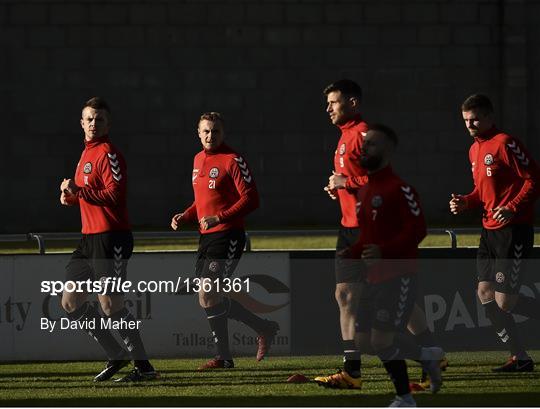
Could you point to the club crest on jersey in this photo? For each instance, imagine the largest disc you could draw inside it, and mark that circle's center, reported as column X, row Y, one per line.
column 213, row 266
column 499, row 277
column 87, row 167
column 214, row 173
column 376, row 201
column 382, row 316
column 488, row 159
column 342, row 149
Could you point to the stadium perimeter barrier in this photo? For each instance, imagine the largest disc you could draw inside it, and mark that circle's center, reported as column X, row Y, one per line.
column 43, row 239
column 295, row 288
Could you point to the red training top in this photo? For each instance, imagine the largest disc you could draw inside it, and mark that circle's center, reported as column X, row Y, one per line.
column 347, row 162
column 390, row 216
column 102, row 176
column 223, row 186
column 504, row 174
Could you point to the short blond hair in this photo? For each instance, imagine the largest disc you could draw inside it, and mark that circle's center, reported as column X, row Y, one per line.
column 213, row 117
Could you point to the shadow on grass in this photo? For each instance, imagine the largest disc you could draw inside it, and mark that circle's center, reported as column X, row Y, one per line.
column 442, row 400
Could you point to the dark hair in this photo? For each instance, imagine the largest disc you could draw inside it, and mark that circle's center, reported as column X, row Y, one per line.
column 97, row 103
column 213, row 117
column 346, row 87
column 386, row 130
column 477, row 102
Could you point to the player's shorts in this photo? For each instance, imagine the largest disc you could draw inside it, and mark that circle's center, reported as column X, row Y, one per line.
column 501, row 254
column 347, row 270
column 101, row 255
column 390, row 304
column 219, row 253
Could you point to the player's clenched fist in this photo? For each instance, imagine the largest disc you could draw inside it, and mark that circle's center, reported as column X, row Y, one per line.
column 457, row 204
column 175, row 221
column 67, row 199
column 336, row 181
column 331, row 192
column 207, row 222
column 68, row 185
column 502, row 214
column 371, row 254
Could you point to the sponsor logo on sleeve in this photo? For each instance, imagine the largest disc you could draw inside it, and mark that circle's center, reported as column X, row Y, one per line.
column 243, row 168
column 115, row 167
column 520, row 156
column 413, row 204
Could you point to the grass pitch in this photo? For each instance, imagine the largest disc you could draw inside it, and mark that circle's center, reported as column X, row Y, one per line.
column 304, row 242
column 468, row 382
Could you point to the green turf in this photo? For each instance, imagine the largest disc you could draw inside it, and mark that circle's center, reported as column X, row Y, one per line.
column 257, row 243
column 314, row 242
column 468, row 382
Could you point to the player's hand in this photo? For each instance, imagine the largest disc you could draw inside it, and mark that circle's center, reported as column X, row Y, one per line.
column 176, row 221
column 69, row 186
column 336, row 181
column 331, row 192
column 72, row 187
column 207, row 222
column 344, row 253
column 67, row 199
column 64, row 185
column 502, row 214
column 371, row 254
column 63, row 199
column 457, row 204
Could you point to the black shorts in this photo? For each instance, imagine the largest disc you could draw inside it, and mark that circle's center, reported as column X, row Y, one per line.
column 347, row 270
column 390, row 305
column 501, row 254
column 219, row 253
column 101, row 255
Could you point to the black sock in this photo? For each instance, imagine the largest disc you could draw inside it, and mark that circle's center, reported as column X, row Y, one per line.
column 505, row 327
column 239, row 313
column 103, row 336
column 132, row 340
column 425, row 339
column 351, row 359
column 396, row 368
column 407, row 347
column 217, row 318
column 527, row 306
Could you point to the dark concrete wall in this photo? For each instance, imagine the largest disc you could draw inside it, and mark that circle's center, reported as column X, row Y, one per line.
column 263, row 64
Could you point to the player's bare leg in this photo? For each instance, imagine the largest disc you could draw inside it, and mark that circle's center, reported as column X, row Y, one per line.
column 71, row 301
column 347, row 296
column 518, row 304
